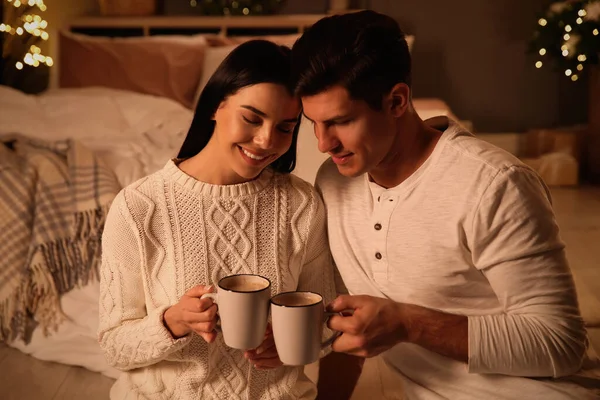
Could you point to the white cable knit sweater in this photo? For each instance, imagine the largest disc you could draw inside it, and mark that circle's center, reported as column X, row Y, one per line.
column 169, row 232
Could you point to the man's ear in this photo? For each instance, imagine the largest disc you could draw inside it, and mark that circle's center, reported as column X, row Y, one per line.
column 399, row 99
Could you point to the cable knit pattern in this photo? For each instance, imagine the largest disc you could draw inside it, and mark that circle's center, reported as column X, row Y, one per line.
column 169, row 232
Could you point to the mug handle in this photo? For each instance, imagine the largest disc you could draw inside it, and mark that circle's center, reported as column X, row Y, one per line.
column 214, row 298
column 335, row 335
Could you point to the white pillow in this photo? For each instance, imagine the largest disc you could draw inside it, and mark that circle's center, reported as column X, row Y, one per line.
column 308, row 156
column 213, row 57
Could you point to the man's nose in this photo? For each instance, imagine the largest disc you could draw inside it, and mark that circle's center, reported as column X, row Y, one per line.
column 326, row 139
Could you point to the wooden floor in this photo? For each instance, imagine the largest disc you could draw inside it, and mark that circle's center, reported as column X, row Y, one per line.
column 578, row 212
column 23, row 378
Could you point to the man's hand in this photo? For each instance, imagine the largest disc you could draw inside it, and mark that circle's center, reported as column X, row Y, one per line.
column 265, row 356
column 379, row 324
column 192, row 314
column 375, row 326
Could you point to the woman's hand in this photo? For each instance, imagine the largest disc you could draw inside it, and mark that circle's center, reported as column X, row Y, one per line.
column 192, row 314
column 265, row 356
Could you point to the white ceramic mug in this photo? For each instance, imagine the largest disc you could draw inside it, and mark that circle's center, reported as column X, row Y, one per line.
column 298, row 320
column 243, row 302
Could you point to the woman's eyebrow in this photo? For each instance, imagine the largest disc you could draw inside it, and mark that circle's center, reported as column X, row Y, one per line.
column 263, row 114
column 254, row 110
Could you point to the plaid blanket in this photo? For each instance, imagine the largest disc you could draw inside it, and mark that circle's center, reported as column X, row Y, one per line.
column 54, row 197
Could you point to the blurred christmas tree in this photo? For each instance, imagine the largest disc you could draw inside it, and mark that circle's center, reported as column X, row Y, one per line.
column 237, row 7
column 23, row 29
column 567, row 36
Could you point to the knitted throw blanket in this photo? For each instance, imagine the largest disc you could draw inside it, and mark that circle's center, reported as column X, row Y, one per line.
column 54, row 197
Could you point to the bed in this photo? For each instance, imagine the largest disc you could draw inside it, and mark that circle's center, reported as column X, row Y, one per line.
column 134, row 122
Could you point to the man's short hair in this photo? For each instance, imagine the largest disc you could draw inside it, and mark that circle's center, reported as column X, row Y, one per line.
column 365, row 52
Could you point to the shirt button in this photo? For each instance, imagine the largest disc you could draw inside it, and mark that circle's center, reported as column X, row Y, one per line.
column 377, row 227
column 378, row 255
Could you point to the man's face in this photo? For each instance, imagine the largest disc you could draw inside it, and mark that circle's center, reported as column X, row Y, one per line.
column 357, row 137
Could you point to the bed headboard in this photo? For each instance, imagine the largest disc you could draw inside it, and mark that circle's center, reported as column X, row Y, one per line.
column 270, row 26
column 169, row 25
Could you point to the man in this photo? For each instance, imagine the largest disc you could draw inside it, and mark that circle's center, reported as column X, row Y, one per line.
column 447, row 244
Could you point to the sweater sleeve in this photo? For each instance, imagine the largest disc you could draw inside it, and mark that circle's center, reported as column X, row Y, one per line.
column 130, row 336
column 515, row 243
column 318, row 270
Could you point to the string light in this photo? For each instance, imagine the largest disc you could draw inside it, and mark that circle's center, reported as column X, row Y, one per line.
column 575, row 40
column 34, row 25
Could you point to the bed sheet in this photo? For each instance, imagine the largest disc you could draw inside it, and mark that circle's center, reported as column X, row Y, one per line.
column 76, row 341
column 136, row 134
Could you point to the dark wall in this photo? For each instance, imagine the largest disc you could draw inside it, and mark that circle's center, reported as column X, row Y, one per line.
column 472, row 54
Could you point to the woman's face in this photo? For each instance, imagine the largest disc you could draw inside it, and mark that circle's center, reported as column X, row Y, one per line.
column 254, row 127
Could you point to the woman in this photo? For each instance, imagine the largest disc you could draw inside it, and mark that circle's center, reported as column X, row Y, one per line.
column 227, row 205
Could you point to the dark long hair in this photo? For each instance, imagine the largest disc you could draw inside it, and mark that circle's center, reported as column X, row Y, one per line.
column 250, row 63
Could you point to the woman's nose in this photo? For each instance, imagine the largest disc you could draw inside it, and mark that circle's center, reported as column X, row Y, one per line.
column 265, row 138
